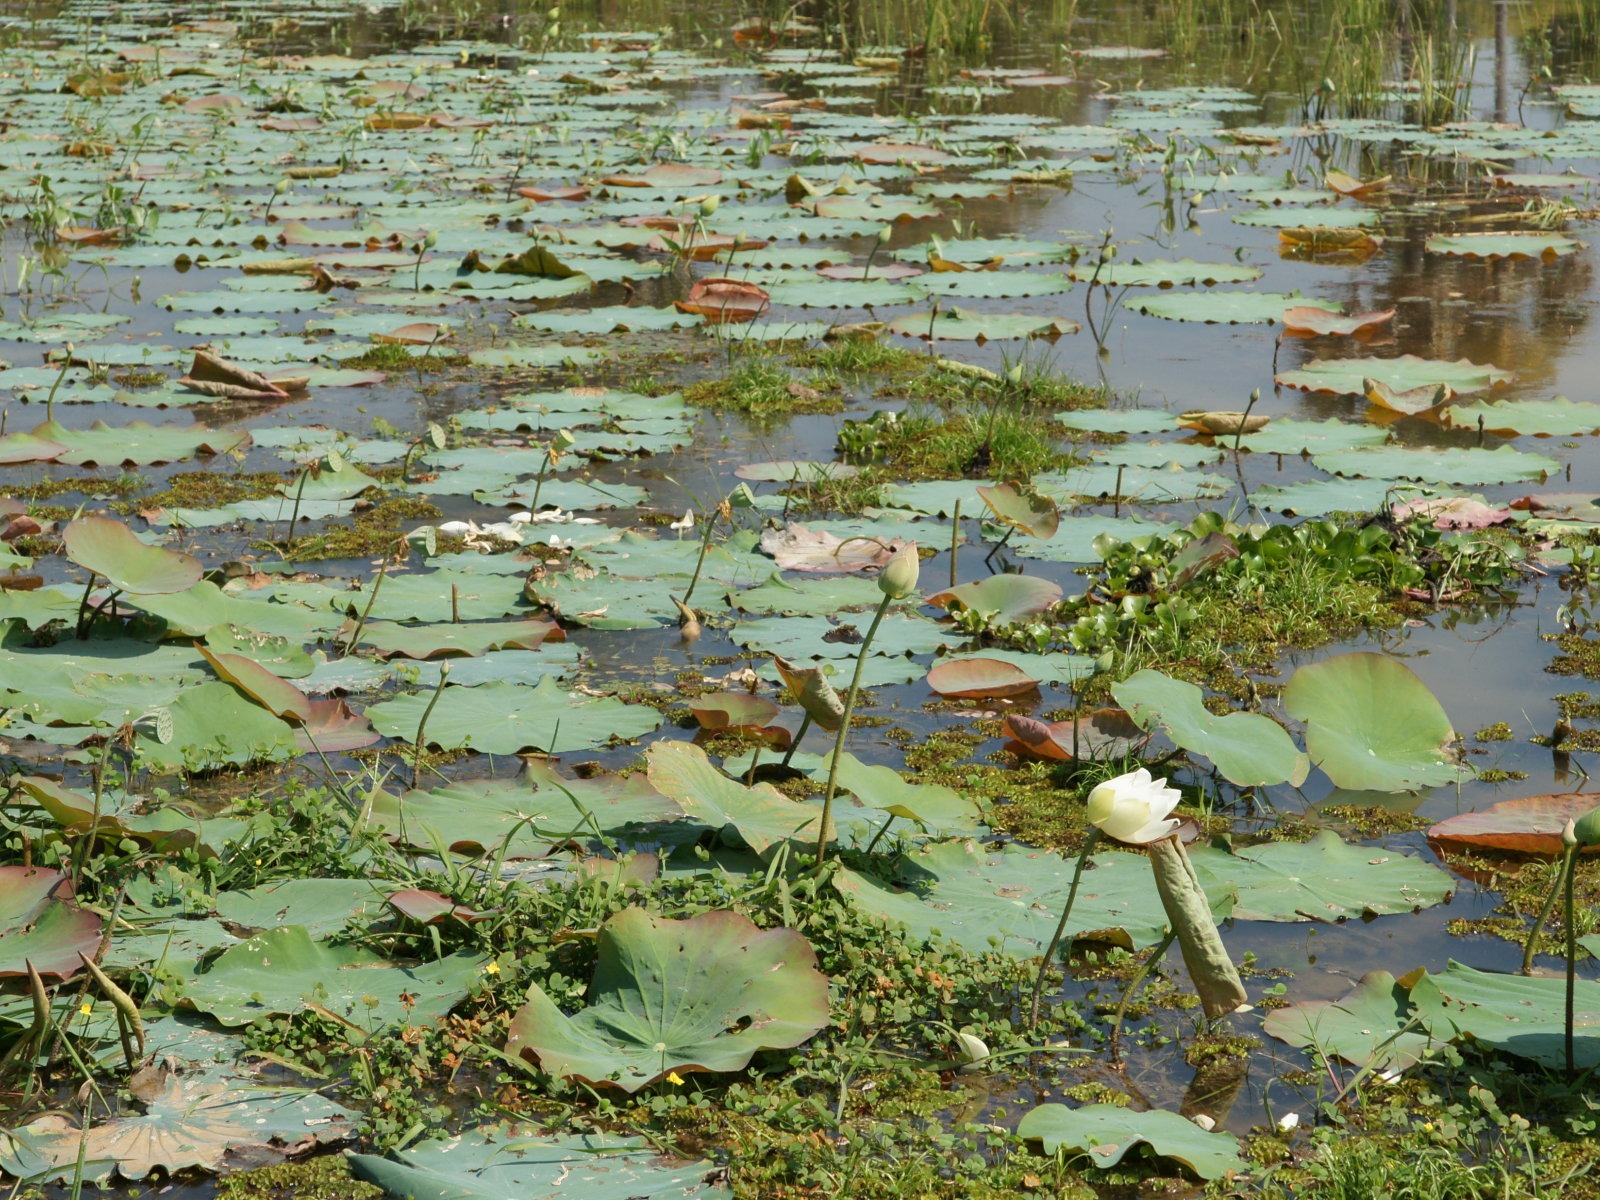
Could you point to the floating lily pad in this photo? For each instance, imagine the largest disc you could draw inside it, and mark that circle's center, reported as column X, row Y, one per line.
column 1163, row 273
column 1225, row 308
column 1470, row 464
column 1365, row 1027
column 1547, row 247
column 506, row 718
column 1345, row 376
column 1557, row 417
column 959, row 325
column 1104, row 1133
column 493, row 1162
column 702, row 994
column 1527, row 825
column 285, row 971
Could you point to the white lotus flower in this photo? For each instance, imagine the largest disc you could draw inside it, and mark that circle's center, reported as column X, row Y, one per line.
column 1288, row 1122
column 1133, row 808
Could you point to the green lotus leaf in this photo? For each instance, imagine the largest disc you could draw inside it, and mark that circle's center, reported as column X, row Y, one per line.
column 930, row 805
column 1104, row 1133
column 762, row 816
column 493, row 1162
column 322, row 906
column 1023, row 508
column 1524, row 1016
column 506, row 718
column 1556, row 417
column 191, row 1122
column 955, row 324
column 110, row 549
column 702, row 994
column 1516, row 244
column 1247, row 748
column 1366, row 1027
column 1345, row 376
column 1162, row 273
column 1225, row 308
column 1457, row 464
column 285, row 971
column 1002, row 598
column 1371, row 723
column 1286, row 436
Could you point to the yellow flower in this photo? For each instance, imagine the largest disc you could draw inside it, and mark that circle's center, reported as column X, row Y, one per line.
column 491, row 968
column 86, row 1008
column 674, row 1079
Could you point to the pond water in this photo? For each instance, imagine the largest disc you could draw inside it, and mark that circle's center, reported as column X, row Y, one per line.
column 167, row 171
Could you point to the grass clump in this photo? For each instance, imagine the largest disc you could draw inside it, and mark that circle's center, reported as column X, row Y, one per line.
column 763, row 388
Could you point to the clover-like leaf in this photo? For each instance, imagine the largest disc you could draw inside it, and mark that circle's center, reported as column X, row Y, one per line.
column 702, row 994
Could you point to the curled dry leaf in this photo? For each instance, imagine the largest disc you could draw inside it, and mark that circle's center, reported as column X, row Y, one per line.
column 797, row 548
column 1223, row 421
column 1426, row 400
column 212, row 375
column 724, row 300
column 1104, row 733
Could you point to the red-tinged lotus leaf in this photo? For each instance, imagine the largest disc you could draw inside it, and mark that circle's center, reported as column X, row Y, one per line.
column 277, row 696
column 1320, row 243
column 733, row 710
column 39, row 924
column 27, row 447
column 396, row 121
column 668, row 175
column 703, row 247
column 333, row 727
column 85, row 235
column 109, row 549
column 1455, row 512
column 420, row 333
column 1104, row 733
column 668, row 223
column 723, row 300
column 1529, row 825
column 797, row 548
column 1006, row 598
column 702, row 994
column 1310, row 321
column 980, row 678
column 291, row 124
column 547, row 192
column 1563, row 506
column 470, row 638
column 430, row 908
column 1021, row 507
column 1349, row 185
column 890, row 153
column 851, row 273
column 213, row 104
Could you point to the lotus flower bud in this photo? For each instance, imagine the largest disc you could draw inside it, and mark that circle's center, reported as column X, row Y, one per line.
column 563, row 441
column 900, row 574
column 1569, row 834
column 429, row 242
column 281, row 186
column 885, row 234
column 1587, row 828
column 708, row 204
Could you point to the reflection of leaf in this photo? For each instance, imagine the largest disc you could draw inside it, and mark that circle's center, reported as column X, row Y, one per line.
column 700, row 994
column 1104, row 1133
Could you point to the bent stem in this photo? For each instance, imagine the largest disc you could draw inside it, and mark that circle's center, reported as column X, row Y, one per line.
column 1531, row 946
column 1155, row 956
column 844, row 729
column 1089, row 844
column 794, row 744
column 422, row 725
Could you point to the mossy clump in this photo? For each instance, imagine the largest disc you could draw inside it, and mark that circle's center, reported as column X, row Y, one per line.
column 326, row 1177
column 205, row 489
column 374, row 531
column 1498, row 732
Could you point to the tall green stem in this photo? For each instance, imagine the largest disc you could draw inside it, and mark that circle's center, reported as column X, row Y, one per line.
column 1061, row 927
column 1572, row 950
column 844, row 729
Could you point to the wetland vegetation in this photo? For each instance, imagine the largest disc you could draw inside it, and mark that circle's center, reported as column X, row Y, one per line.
column 630, row 597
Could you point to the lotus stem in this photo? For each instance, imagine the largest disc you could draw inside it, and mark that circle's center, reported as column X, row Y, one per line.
column 844, row 729
column 955, row 540
column 26, row 1048
column 710, row 522
column 1238, row 434
column 50, row 401
column 882, row 829
column 794, row 743
column 538, row 486
column 422, row 725
column 1572, row 951
column 1531, row 946
column 377, row 582
column 1089, row 844
column 1134, row 984
column 294, row 512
